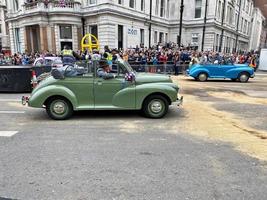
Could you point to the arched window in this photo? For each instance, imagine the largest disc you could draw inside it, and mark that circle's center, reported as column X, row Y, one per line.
column 131, row 3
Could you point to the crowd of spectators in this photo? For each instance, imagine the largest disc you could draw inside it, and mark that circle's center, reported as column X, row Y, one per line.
column 158, row 55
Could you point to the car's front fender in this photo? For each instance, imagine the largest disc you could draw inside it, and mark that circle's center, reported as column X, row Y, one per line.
column 144, row 90
column 39, row 97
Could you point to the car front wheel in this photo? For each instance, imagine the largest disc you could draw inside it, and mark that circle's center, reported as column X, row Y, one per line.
column 59, row 108
column 243, row 77
column 202, row 77
column 155, row 106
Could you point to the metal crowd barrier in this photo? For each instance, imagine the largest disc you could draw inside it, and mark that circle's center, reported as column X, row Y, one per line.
column 161, row 68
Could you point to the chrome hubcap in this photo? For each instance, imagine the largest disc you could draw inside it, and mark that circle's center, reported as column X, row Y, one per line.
column 243, row 77
column 59, row 108
column 156, row 107
column 202, row 77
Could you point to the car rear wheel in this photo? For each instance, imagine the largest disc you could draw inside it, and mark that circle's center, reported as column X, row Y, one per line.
column 243, row 77
column 155, row 106
column 59, row 108
column 202, row 77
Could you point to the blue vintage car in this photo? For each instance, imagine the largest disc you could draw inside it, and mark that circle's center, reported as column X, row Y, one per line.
column 235, row 72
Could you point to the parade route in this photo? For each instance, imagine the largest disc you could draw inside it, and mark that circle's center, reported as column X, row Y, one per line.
column 214, row 145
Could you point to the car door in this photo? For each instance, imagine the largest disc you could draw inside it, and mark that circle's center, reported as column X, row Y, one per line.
column 82, row 87
column 115, row 93
column 225, row 68
column 213, row 70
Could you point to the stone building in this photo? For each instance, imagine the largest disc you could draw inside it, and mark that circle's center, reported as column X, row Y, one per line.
column 49, row 25
column 4, row 39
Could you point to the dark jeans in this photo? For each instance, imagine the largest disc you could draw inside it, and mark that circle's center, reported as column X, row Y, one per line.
column 68, row 60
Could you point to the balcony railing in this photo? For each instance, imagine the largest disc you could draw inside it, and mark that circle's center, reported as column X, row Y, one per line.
column 46, row 6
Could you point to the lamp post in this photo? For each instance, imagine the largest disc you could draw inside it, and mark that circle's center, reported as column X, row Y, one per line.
column 222, row 23
column 204, row 26
column 150, row 23
column 237, row 26
column 181, row 23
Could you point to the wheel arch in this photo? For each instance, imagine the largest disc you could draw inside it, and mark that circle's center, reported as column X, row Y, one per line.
column 160, row 94
column 59, row 97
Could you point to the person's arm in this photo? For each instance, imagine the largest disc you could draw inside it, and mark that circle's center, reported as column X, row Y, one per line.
column 102, row 74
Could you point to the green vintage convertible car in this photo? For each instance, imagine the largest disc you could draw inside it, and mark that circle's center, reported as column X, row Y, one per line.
column 150, row 93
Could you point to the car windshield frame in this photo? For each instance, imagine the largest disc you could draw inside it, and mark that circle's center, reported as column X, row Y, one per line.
column 126, row 65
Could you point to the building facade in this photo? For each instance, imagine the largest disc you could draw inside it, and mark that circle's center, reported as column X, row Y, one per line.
column 49, row 25
column 4, row 39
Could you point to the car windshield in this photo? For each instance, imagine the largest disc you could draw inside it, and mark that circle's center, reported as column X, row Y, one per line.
column 126, row 64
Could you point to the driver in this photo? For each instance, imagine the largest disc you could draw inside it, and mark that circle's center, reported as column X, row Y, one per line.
column 104, row 70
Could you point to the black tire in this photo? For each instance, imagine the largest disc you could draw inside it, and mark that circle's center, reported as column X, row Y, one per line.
column 243, row 77
column 202, row 77
column 155, row 106
column 65, row 109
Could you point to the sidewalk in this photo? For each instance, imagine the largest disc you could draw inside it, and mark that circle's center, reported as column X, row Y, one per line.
column 261, row 73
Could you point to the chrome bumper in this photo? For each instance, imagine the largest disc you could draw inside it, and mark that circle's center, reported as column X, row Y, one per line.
column 178, row 102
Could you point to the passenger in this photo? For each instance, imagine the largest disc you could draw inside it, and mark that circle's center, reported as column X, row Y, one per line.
column 104, row 70
column 69, row 56
column 96, row 55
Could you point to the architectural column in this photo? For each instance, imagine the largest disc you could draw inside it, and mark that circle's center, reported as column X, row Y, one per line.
column 80, row 36
column 53, row 39
column 75, row 38
column 11, row 37
column 106, row 33
column 43, row 38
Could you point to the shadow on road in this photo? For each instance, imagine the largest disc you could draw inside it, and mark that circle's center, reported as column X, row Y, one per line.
column 173, row 114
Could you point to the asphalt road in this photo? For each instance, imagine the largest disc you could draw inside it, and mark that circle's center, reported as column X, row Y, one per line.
column 121, row 156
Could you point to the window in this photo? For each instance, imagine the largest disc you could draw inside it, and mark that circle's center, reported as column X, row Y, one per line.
column 120, row 2
column 65, row 32
column 131, row 3
column 93, row 30
column 241, row 25
column 245, row 26
column 161, row 37
column 198, row 8
column 17, row 40
column 142, row 36
column 162, row 8
column 168, row 9
column 231, row 16
column 195, row 38
column 166, row 38
column 155, row 37
column 217, row 41
column 91, row 2
column 120, row 36
column 142, row 5
column 15, row 5
column 157, row 7
column 219, row 9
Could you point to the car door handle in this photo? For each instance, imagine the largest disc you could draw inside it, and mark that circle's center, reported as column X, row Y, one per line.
column 98, row 82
